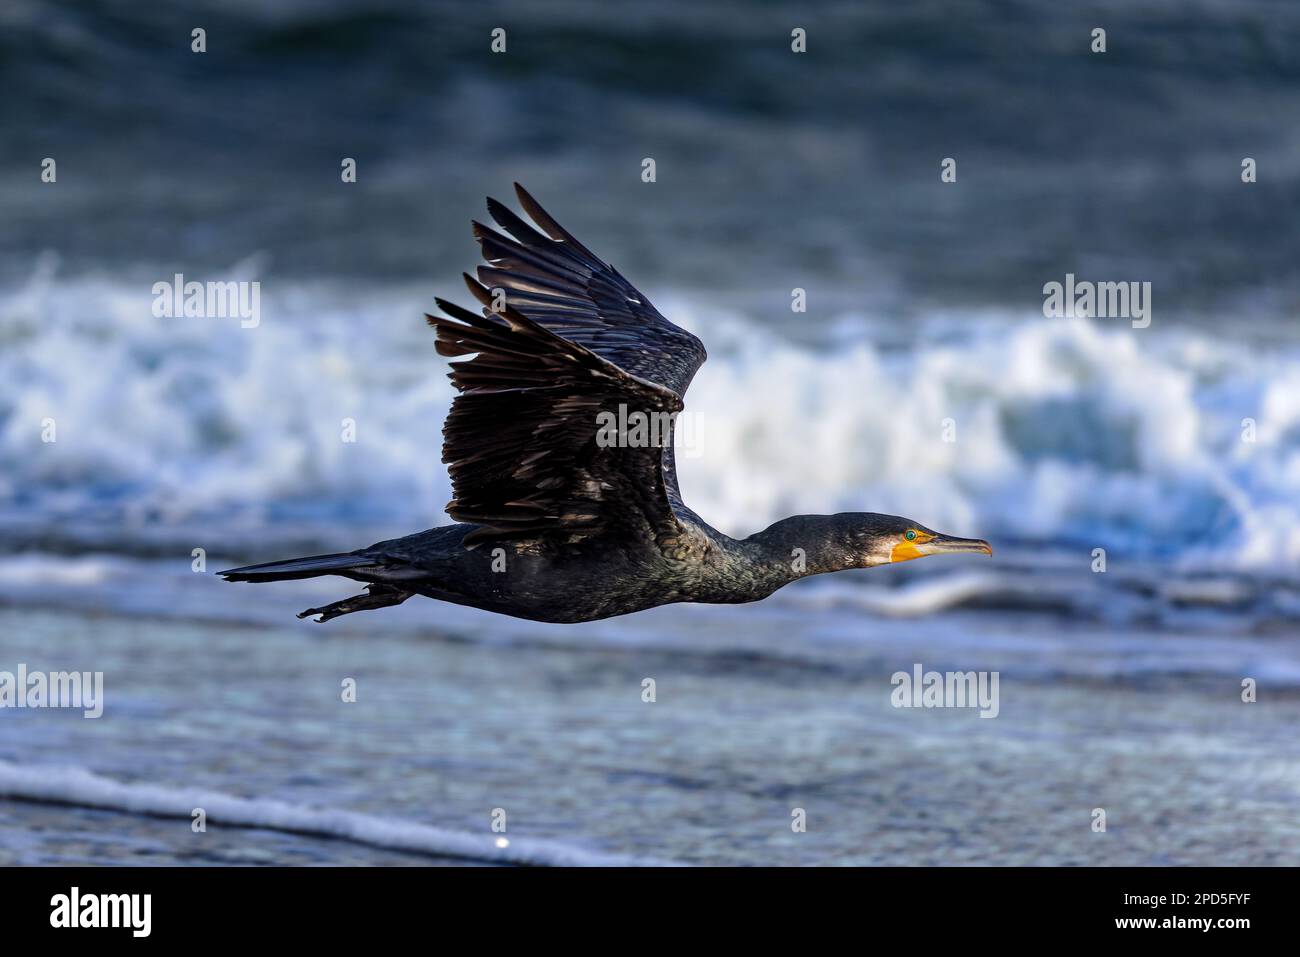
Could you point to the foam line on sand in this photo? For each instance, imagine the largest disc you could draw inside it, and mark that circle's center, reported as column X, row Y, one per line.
column 83, row 788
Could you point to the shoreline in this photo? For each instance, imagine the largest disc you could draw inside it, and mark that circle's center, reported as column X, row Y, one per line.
column 444, row 731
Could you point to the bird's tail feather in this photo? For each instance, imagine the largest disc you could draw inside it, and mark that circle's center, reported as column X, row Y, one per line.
column 308, row 567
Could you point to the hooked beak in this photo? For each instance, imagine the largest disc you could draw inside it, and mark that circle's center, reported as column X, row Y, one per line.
column 946, row 544
column 938, row 545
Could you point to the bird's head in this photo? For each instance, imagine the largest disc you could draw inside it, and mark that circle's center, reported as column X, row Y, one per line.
column 831, row 543
column 882, row 539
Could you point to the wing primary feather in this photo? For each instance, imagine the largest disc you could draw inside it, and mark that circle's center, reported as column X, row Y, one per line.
column 542, row 218
column 574, row 340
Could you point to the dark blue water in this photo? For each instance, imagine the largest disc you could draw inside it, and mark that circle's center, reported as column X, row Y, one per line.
column 774, row 169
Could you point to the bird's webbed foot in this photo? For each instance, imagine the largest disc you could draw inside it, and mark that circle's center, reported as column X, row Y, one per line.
column 376, row 596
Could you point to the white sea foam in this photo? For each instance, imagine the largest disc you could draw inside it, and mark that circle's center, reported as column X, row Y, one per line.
column 926, row 597
column 1066, row 430
column 83, row 788
column 27, row 569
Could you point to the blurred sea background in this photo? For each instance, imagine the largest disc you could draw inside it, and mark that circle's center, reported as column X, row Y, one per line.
column 775, row 171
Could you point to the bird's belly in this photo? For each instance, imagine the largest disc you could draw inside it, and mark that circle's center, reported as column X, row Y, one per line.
column 544, row 589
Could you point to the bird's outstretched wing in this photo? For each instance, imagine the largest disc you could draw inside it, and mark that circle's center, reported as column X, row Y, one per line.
column 555, row 280
column 521, row 440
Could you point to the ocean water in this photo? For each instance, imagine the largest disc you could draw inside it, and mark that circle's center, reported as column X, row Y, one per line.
column 759, row 712
column 1175, row 448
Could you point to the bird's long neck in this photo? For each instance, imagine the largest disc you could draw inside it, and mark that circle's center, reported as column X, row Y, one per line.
column 791, row 549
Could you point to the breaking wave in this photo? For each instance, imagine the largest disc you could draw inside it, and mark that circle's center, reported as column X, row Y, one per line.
column 1084, row 434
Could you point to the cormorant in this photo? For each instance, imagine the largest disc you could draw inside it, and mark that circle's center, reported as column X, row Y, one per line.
column 557, row 521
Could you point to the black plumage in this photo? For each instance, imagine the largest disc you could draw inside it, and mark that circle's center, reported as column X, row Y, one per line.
column 555, row 521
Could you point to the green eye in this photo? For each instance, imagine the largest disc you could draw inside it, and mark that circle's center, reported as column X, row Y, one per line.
column 910, row 535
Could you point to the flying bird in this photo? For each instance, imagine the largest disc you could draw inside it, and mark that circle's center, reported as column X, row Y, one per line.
column 560, row 516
